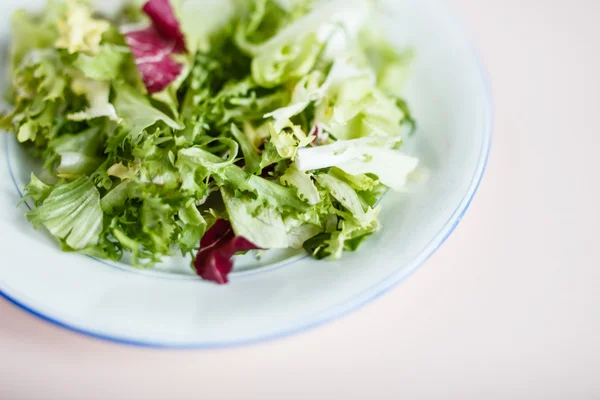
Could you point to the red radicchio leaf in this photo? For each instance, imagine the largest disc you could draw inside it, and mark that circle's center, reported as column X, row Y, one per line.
column 163, row 17
column 218, row 246
column 152, row 56
column 152, row 47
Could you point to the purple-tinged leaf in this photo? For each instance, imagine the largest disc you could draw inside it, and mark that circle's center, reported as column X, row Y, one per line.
column 153, row 47
column 214, row 261
column 152, row 55
column 164, row 20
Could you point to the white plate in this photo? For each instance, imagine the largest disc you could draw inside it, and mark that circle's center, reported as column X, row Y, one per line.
column 288, row 292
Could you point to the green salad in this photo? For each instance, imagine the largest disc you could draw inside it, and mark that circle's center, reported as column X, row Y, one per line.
column 210, row 129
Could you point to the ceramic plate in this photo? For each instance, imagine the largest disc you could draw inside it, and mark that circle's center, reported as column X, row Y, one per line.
column 284, row 293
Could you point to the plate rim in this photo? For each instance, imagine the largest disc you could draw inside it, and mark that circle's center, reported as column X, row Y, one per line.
column 360, row 299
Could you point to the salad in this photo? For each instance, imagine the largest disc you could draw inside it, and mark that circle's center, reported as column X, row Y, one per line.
column 208, row 130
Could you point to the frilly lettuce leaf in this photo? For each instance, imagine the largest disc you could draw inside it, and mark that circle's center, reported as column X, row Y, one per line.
column 37, row 190
column 349, row 199
column 146, row 231
column 250, row 151
column 79, row 154
column 158, row 223
column 78, row 30
column 137, row 113
column 244, row 100
column 261, row 225
column 280, row 61
column 361, row 156
column 307, row 90
column 201, row 20
column 124, row 172
column 360, row 183
column 97, row 94
column 30, row 32
column 192, row 227
column 39, row 89
column 356, row 108
column 313, row 88
column 282, row 51
column 349, row 104
column 338, row 219
column 196, row 160
column 284, row 142
column 289, row 139
column 347, row 237
column 71, row 213
column 263, row 19
column 104, row 66
column 115, row 198
column 300, row 233
column 303, row 183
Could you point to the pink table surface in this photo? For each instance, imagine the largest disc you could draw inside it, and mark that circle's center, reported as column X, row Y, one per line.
column 508, row 308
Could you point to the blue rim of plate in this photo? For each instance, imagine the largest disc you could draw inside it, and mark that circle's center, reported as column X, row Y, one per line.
column 343, row 308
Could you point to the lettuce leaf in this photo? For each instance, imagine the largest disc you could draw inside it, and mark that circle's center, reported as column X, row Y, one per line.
column 313, row 89
column 203, row 20
column 281, row 61
column 137, row 113
column 263, row 19
column 97, row 94
column 40, row 88
column 31, row 32
column 37, row 190
column 331, row 245
column 303, row 183
column 287, row 51
column 306, row 91
column 197, row 160
column 192, row 227
column 104, row 66
column 71, row 213
column 146, row 231
column 262, row 225
column 361, row 182
column 78, row 31
column 80, row 154
column 209, row 127
column 350, row 200
column 361, row 156
column 251, row 155
column 158, row 223
column 289, row 139
column 356, row 108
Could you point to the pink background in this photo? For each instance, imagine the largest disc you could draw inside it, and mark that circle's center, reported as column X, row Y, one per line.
column 508, row 308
